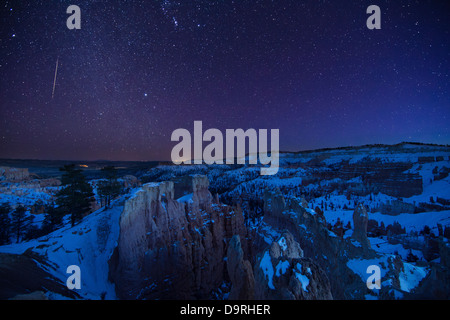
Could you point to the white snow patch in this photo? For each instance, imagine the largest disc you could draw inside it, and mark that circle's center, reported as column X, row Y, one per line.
column 186, row 198
column 281, row 268
column 282, row 243
column 88, row 245
column 266, row 266
column 301, row 277
column 411, row 276
column 360, row 266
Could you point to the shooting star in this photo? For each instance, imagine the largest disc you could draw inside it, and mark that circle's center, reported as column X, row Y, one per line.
column 54, row 80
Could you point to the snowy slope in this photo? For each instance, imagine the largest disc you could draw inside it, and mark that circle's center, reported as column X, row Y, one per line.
column 411, row 222
column 88, row 245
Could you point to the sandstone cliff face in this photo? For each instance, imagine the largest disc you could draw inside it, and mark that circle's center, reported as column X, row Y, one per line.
column 171, row 249
column 344, row 261
column 281, row 272
column 13, row 174
column 240, row 272
column 360, row 220
column 395, row 207
column 318, row 243
column 389, row 178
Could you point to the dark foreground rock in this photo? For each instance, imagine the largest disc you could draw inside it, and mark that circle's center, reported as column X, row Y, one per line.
column 22, row 278
column 173, row 249
column 240, row 272
column 282, row 272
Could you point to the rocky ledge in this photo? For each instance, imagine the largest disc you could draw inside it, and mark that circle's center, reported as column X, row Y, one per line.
column 174, row 248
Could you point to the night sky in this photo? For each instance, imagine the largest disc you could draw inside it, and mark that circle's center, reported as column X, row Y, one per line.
column 137, row 70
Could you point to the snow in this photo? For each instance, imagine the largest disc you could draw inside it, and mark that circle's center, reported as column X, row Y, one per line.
column 268, row 233
column 186, row 198
column 91, row 243
column 282, row 243
column 88, row 245
column 382, row 245
column 359, row 266
column 411, row 222
column 301, row 277
column 266, row 266
column 439, row 188
column 411, row 276
column 397, row 294
column 281, row 268
column 384, row 154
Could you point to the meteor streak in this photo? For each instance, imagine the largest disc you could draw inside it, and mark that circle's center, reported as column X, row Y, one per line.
column 54, row 80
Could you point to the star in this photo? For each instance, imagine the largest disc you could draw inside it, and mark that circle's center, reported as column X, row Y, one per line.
column 230, row 63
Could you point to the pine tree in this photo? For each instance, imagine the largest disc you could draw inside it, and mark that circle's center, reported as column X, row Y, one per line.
column 76, row 195
column 110, row 187
column 411, row 257
column 53, row 219
column 426, row 230
column 348, row 226
column 5, row 223
column 382, row 229
column 20, row 222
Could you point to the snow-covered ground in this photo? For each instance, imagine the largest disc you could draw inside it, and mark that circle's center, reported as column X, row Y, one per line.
column 88, row 245
column 91, row 243
column 411, row 222
column 382, row 245
column 409, row 278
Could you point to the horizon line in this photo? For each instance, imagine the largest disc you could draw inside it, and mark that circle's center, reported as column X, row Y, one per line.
column 247, row 154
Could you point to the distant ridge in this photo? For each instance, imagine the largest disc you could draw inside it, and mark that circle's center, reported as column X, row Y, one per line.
column 376, row 145
column 40, row 162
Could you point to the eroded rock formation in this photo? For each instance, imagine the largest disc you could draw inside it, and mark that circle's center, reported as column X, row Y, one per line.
column 282, row 272
column 240, row 272
column 318, row 243
column 171, row 249
column 360, row 220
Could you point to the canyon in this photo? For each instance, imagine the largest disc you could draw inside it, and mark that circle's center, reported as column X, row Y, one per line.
column 224, row 232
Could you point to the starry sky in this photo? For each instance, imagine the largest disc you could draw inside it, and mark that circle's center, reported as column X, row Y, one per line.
column 138, row 70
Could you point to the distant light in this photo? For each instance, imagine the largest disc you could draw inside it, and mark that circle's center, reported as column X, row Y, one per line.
column 13, row 35
column 145, row 94
column 83, row 166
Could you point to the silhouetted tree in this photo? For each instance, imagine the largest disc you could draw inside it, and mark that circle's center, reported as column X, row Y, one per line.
column 440, row 230
column 395, row 228
column 76, row 195
column 411, row 257
column 447, row 232
column 338, row 228
column 5, row 223
column 53, row 218
column 426, row 230
column 319, row 212
column 111, row 187
column 383, row 231
column 32, row 232
column 348, row 226
column 20, row 222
